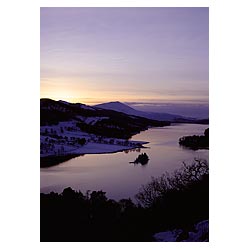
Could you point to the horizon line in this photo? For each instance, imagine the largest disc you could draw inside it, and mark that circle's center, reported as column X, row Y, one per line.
column 93, row 101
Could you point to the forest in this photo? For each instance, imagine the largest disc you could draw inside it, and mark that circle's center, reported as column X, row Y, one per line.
column 171, row 201
column 196, row 142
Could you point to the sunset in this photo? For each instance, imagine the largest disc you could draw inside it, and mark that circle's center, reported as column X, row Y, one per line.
column 119, row 124
column 95, row 55
column 124, row 124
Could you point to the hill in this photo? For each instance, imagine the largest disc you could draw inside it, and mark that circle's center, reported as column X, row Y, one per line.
column 71, row 129
column 94, row 119
column 121, row 107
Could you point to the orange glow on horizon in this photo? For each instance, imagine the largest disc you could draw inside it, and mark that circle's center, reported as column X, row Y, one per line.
column 62, row 89
column 95, row 100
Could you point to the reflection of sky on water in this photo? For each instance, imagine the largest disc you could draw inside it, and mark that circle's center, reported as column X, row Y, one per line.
column 114, row 174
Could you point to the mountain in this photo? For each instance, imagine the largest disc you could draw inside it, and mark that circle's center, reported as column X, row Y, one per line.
column 80, row 105
column 121, row 107
column 118, row 106
column 94, row 120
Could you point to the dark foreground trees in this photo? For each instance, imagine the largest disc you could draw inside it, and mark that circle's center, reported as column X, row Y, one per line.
column 72, row 216
column 170, row 201
column 179, row 200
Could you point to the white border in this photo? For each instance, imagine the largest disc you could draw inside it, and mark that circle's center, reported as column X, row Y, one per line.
column 125, row 3
column 229, row 131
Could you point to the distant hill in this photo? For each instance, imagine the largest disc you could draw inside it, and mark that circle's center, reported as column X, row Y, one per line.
column 121, row 107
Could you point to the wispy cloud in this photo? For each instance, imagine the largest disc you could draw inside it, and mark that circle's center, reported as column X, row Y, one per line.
column 134, row 54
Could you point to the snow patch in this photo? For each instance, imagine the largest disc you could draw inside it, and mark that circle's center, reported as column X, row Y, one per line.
column 83, row 106
column 94, row 120
column 169, row 236
column 200, row 234
column 66, row 138
column 64, row 102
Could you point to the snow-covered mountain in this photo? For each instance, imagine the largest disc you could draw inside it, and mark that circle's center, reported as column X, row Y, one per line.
column 121, row 107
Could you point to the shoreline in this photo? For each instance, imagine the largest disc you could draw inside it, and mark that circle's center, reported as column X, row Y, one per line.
column 53, row 160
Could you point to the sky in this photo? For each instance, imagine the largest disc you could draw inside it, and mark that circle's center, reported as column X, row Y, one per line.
column 133, row 55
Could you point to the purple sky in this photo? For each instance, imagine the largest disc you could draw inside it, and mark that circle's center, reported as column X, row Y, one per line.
column 94, row 55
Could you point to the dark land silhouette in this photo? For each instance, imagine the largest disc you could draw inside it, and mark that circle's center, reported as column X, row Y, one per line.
column 196, row 142
column 142, row 159
column 53, row 160
column 168, row 202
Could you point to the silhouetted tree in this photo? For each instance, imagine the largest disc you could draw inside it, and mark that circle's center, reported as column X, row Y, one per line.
column 179, row 180
column 81, row 141
column 167, row 202
column 178, row 200
column 206, row 133
column 142, row 158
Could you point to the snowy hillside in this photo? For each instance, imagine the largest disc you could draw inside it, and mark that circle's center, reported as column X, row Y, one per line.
column 75, row 128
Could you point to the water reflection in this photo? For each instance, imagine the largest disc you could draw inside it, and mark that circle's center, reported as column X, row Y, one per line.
column 132, row 150
column 114, row 174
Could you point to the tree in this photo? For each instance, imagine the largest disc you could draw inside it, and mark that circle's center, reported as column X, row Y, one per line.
column 195, row 142
column 81, row 141
column 206, row 133
column 111, row 141
column 178, row 181
column 142, row 158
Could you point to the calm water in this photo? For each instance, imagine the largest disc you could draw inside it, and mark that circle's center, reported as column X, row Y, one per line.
column 113, row 174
